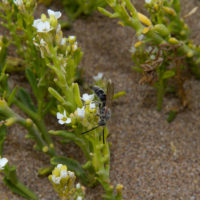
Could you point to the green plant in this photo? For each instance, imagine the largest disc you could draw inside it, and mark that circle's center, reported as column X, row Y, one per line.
column 50, row 65
column 75, row 8
column 163, row 51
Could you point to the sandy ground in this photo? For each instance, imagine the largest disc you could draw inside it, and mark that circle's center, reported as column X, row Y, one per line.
column 141, row 154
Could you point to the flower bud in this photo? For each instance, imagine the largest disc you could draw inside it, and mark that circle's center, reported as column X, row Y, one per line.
column 72, row 39
column 137, row 44
column 173, row 40
column 162, row 30
column 29, row 122
column 146, row 30
column 145, row 20
column 43, row 17
column 53, row 21
column 45, row 149
column 119, row 188
column 10, row 121
column 190, row 53
column 170, row 11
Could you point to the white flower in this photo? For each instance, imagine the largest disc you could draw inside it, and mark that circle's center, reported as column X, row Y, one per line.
column 63, row 41
column 56, row 14
column 75, row 46
column 42, row 26
column 87, row 97
column 63, row 119
column 81, row 112
column 55, row 179
column 147, row 1
column 71, row 174
column 72, row 38
column 78, row 186
column 63, row 173
column 140, row 37
column 98, row 76
column 18, row 2
column 79, row 198
column 3, row 162
column 59, row 166
column 92, row 106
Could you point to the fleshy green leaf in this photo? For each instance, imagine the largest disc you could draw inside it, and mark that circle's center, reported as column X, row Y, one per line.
column 3, row 54
column 17, row 188
column 12, row 96
column 168, row 74
column 3, row 132
column 25, row 98
column 32, row 80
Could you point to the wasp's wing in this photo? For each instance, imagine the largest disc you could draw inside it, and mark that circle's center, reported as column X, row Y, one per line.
column 110, row 93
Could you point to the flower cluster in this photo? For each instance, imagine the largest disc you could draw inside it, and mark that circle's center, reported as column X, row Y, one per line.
column 61, row 53
column 49, row 32
column 64, row 183
column 22, row 5
column 3, row 163
column 86, row 116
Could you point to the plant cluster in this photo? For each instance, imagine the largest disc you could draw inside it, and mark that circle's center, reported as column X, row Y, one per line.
column 75, row 8
column 163, row 52
column 64, row 184
column 50, row 64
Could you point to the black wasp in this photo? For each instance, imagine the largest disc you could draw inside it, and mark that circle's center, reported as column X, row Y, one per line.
column 104, row 105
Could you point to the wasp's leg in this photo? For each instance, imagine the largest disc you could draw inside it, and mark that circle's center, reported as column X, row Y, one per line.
column 90, row 130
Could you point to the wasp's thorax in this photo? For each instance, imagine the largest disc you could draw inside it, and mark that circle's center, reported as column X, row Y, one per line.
column 100, row 94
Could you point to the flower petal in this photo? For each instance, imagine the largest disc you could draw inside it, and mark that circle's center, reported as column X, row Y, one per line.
column 87, row 97
column 3, row 162
column 92, row 105
column 59, row 166
column 81, row 112
column 59, row 115
column 68, row 121
column 56, row 14
column 63, row 173
column 55, row 179
column 98, row 76
column 64, row 113
column 60, row 121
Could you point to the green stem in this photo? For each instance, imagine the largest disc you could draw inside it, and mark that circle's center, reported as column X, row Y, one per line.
column 11, row 181
column 38, row 121
column 9, row 113
column 77, row 140
column 101, row 164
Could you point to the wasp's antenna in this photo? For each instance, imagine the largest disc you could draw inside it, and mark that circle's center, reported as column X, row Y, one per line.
column 90, row 130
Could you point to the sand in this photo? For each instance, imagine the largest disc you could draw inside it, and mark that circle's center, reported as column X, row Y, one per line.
column 142, row 156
